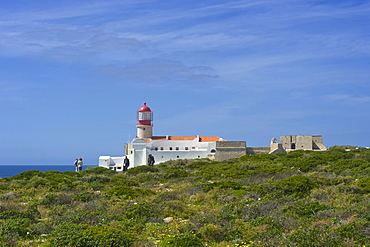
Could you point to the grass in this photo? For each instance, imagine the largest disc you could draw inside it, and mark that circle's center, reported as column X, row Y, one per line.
column 303, row 198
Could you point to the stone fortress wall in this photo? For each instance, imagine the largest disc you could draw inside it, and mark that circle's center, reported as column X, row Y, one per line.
column 235, row 149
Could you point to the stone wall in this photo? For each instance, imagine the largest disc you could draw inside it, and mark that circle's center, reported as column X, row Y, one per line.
column 258, row 150
column 230, row 149
column 317, row 143
column 303, row 142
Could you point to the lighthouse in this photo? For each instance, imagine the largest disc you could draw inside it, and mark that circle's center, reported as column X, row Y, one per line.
column 144, row 126
column 163, row 148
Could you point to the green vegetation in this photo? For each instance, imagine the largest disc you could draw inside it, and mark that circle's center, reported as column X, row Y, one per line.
column 303, row 198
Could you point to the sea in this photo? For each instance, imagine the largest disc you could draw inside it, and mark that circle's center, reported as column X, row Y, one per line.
column 12, row 170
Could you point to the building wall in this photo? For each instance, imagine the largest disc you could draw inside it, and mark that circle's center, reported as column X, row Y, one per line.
column 317, row 143
column 258, row 150
column 230, row 149
column 303, row 142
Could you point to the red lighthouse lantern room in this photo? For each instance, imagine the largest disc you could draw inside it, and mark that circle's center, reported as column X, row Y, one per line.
column 145, row 115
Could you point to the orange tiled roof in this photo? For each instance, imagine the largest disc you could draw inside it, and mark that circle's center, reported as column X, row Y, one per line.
column 187, row 138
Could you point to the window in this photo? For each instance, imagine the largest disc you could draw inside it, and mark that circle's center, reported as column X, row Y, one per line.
column 177, row 148
column 186, row 148
column 161, row 148
column 213, row 151
column 178, row 156
column 156, row 148
column 192, row 147
column 145, row 115
column 170, row 148
column 198, row 156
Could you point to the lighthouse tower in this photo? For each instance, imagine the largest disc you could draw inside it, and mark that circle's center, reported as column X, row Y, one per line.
column 145, row 126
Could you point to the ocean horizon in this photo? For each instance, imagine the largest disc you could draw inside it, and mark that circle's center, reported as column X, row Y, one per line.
column 12, row 170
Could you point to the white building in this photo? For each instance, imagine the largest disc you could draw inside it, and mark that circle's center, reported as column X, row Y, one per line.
column 163, row 148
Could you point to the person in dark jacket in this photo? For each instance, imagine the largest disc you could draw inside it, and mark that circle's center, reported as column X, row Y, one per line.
column 151, row 160
column 79, row 164
column 126, row 163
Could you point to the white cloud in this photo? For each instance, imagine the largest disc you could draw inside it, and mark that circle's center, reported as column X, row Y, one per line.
column 347, row 98
column 161, row 71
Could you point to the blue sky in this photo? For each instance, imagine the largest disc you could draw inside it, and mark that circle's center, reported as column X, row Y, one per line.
column 74, row 73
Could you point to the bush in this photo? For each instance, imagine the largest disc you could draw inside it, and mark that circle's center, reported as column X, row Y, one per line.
column 320, row 237
column 223, row 185
column 57, row 199
column 358, row 231
column 197, row 164
column 174, row 172
column 86, row 196
column 364, row 183
column 298, row 185
column 13, row 229
column 98, row 178
column 355, row 166
column 212, row 233
column 119, row 180
column 307, row 209
column 128, row 192
column 98, row 170
column 141, row 169
column 243, row 230
column 90, row 236
column 181, row 240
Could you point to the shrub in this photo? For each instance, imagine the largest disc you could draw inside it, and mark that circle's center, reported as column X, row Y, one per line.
column 90, row 236
column 119, row 180
column 198, row 164
column 364, row 183
column 141, row 169
column 57, row 199
column 174, row 172
column 243, row 230
column 212, row 233
column 86, row 196
column 26, row 175
column 298, row 185
column 307, row 209
column 306, row 165
column 13, row 229
column 98, row 178
column 320, row 237
column 223, row 185
column 358, row 231
column 128, row 192
column 177, row 163
column 98, row 170
column 355, row 166
column 181, row 240
column 142, row 210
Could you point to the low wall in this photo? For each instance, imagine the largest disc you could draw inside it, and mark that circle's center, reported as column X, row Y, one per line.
column 229, row 150
column 258, row 150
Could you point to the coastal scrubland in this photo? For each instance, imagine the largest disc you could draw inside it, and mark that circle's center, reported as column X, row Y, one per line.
column 303, row 198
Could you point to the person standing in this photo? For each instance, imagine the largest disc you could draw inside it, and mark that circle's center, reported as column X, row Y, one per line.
column 79, row 164
column 151, row 160
column 76, row 165
column 126, row 163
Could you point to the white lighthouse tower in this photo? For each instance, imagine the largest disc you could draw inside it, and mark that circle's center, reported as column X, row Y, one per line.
column 145, row 126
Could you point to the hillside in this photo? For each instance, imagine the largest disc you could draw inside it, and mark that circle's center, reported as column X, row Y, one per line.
column 303, row 198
